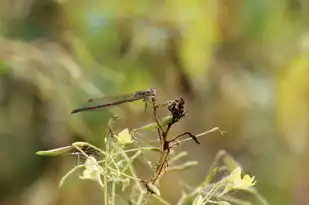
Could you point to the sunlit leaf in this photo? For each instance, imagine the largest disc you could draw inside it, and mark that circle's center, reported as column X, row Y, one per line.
column 124, row 137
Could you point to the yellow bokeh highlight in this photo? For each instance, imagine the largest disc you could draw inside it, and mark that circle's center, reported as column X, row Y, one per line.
column 293, row 103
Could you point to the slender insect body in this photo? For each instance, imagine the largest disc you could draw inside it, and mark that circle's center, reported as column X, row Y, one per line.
column 117, row 100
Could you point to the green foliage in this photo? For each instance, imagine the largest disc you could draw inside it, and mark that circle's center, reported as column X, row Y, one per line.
column 242, row 65
column 114, row 167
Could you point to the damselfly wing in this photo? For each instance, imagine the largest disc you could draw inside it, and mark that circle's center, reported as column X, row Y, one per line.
column 110, row 101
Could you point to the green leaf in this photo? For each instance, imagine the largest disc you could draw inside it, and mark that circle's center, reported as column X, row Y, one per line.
column 55, row 152
column 163, row 122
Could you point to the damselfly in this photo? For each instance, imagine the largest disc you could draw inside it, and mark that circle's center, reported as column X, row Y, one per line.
column 109, row 101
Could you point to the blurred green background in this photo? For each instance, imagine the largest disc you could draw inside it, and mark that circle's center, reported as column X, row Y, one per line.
column 242, row 65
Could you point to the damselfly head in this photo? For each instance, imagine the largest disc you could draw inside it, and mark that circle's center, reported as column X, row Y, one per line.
column 145, row 93
column 152, row 92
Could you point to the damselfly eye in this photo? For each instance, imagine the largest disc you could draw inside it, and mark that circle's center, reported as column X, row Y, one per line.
column 152, row 91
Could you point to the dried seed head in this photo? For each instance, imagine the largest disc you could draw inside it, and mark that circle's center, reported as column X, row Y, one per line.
column 177, row 108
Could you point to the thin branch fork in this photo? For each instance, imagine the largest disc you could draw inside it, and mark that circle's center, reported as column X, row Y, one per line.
column 177, row 109
column 194, row 138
